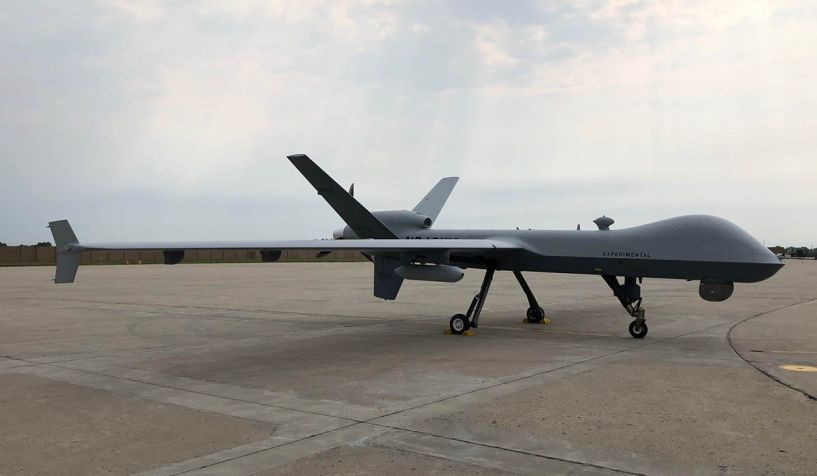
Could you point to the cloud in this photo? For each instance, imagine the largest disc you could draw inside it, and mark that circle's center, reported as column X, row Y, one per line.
column 552, row 113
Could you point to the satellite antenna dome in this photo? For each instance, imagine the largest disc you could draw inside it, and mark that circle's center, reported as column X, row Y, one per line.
column 604, row 222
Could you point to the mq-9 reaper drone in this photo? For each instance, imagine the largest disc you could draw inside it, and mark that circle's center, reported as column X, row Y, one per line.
column 403, row 244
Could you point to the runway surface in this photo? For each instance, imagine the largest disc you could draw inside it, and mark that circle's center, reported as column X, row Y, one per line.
column 296, row 369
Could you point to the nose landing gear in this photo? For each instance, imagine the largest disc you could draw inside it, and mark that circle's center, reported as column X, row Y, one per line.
column 629, row 295
column 638, row 328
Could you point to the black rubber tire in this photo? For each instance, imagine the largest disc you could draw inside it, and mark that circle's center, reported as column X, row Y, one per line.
column 459, row 324
column 638, row 329
column 535, row 315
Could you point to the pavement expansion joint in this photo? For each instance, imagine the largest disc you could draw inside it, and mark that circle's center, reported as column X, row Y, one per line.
column 810, row 396
column 379, row 421
column 507, row 449
column 370, row 382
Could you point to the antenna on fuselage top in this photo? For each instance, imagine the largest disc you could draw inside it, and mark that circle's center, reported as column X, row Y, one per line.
column 352, row 190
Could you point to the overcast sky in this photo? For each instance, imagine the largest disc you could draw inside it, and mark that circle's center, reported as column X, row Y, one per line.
column 142, row 120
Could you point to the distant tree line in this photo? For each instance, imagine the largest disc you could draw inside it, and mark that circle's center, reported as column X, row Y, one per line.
column 800, row 252
column 39, row 243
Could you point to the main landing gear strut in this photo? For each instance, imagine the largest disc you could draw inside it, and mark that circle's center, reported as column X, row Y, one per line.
column 462, row 322
column 629, row 295
column 535, row 312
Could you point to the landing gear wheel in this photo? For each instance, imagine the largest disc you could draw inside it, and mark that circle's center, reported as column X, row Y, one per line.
column 638, row 328
column 459, row 324
column 535, row 315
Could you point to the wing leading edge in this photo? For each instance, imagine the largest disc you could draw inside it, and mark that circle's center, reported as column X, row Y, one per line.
column 388, row 245
column 69, row 248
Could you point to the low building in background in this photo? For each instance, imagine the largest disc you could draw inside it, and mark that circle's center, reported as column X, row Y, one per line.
column 778, row 250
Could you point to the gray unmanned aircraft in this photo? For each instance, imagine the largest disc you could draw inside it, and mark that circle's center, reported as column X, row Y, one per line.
column 403, row 245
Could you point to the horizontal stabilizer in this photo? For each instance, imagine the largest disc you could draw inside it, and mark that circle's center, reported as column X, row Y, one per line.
column 434, row 200
column 359, row 219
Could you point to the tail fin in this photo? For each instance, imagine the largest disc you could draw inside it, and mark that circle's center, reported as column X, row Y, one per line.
column 434, row 200
column 360, row 220
column 67, row 258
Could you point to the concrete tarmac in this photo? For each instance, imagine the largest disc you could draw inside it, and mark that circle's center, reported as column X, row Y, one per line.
column 294, row 368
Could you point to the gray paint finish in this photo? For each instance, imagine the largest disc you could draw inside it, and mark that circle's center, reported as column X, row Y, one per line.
column 693, row 247
column 435, row 199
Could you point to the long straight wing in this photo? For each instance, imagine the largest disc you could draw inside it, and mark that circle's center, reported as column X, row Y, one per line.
column 69, row 248
column 392, row 245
